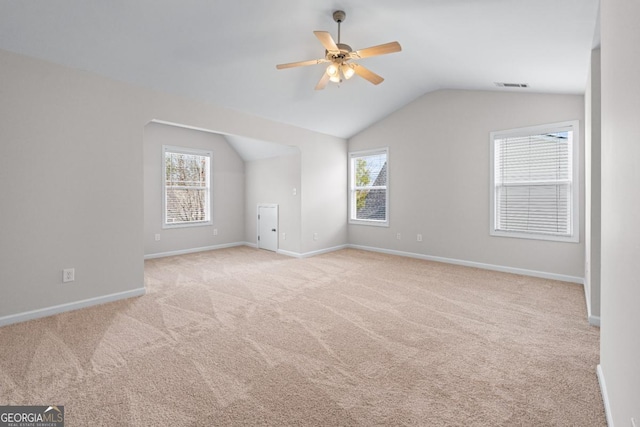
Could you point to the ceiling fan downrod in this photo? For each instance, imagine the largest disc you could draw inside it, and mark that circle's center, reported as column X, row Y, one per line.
column 339, row 16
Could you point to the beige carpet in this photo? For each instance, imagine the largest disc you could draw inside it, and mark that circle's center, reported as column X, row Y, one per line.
column 247, row 337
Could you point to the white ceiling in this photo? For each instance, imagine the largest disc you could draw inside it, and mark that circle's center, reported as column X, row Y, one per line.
column 225, row 52
column 250, row 149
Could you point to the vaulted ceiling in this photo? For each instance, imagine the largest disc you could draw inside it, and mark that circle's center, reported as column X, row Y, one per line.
column 225, row 52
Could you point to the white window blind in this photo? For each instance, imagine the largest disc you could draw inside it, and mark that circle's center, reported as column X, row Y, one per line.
column 534, row 182
column 187, row 176
column 368, row 187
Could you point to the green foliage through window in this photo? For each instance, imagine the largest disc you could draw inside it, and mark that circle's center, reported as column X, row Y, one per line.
column 369, row 186
column 363, row 178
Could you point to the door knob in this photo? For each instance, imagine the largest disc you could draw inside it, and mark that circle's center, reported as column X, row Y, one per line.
column 273, row 229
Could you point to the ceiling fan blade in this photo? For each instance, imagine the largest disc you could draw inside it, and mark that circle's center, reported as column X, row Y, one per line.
column 323, row 81
column 382, row 49
column 327, row 41
column 301, row 63
column 367, row 74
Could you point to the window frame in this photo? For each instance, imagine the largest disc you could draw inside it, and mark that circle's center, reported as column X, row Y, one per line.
column 208, row 203
column 574, row 184
column 352, row 188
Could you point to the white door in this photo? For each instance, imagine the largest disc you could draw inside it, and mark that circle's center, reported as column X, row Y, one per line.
column 268, row 227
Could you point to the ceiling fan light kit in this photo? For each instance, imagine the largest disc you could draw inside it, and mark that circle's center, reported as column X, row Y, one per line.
column 339, row 54
column 334, row 74
column 347, row 71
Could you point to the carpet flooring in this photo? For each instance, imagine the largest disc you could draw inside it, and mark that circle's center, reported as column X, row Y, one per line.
column 351, row 338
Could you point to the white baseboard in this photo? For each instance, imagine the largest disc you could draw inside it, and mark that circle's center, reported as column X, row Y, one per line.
column 522, row 271
column 194, row 250
column 594, row 321
column 249, row 244
column 289, row 253
column 57, row 309
column 605, row 395
column 312, row 253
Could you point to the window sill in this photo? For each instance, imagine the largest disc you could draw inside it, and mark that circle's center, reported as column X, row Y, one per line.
column 187, row 225
column 531, row 236
column 369, row 223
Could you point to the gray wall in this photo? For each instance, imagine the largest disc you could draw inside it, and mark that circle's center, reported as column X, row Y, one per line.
column 323, row 196
column 439, row 179
column 620, row 304
column 593, row 189
column 72, row 165
column 227, row 191
column 273, row 180
column 71, row 194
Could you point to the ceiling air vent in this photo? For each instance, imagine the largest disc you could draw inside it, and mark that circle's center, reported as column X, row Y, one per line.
column 503, row 84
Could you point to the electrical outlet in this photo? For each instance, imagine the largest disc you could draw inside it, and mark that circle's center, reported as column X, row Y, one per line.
column 157, row 237
column 398, row 236
column 284, row 236
column 419, row 237
column 315, row 236
column 295, row 191
column 215, row 231
column 68, row 275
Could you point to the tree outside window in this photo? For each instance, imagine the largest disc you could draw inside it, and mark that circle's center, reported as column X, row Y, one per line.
column 369, row 192
column 186, row 187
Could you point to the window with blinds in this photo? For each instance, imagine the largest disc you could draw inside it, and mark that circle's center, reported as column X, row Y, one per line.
column 534, row 182
column 369, row 194
column 186, row 184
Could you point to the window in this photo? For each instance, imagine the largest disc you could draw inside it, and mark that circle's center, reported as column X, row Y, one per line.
column 187, row 187
column 534, row 182
column 369, row 194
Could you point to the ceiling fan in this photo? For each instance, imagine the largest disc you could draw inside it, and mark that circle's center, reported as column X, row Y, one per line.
column 339, row 56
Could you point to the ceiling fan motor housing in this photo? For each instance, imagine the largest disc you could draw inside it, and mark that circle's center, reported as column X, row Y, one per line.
column 340, row 57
